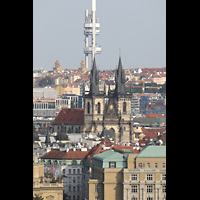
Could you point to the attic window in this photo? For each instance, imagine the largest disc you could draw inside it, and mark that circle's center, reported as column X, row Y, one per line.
column 112, row 164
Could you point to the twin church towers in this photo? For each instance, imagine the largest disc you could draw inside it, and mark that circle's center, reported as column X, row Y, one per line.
column 112, row 119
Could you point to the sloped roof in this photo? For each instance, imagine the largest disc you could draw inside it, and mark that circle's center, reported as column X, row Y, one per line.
column 68, row 116
column 98, row 149
column 109, row 155
column 150, row 115
column 153, row 152
column 56, row 154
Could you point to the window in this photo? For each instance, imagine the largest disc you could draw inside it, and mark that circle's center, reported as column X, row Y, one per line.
column 74, row 189
column 133, row 177
column 164, row 188
column 78, row 188
column 148, row 165
column 163, row 165
column 74, row 197
column 74, row 179
column 140, row 165
column 69, row 171
column 163, row 177
column 69, row 179
column 96, row 188
column 112, row 164
column 98, row 107
column 156, row 165
column 134, row 198
column 134, row 188
column 69, row 188
column 63, row 171
column 78, row 179
column 88, row 107
column 149, row 198
column 149, row 177
column 124, row 107
column 149, row 188
column 74, row 171
column 96, row 198
column 78, row 172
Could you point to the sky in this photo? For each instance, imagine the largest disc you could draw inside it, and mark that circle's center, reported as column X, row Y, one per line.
column 138, row 27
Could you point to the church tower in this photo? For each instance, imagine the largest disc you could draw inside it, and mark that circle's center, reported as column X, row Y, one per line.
column 113, row 119
column 118, row 112
column 93, row 104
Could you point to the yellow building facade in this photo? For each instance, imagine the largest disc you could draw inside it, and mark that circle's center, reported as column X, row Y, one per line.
column 44, row 186
column 139, row 176
column 145, row 175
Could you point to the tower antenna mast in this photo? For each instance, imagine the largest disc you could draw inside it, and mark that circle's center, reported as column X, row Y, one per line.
column 91, row 27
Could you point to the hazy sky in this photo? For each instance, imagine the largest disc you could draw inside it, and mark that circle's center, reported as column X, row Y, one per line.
column 137, row 26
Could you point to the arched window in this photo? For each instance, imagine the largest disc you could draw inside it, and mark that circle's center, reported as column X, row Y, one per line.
column 98, row 107
column 124, row 107
column 88, row 107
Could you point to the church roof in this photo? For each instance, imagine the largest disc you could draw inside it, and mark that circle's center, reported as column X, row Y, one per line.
column 68, row 116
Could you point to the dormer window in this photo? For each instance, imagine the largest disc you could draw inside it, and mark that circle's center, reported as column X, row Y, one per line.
column 112, row 164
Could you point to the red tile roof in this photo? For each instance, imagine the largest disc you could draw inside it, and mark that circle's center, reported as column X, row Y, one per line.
column 150, row 115
column 98, row 149
column 56, row 154
column 66, row 116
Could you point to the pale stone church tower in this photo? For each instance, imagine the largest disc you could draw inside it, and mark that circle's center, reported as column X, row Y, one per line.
column 112, row 119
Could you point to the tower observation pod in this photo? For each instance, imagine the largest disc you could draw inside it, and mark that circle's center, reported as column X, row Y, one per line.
column 91, row 28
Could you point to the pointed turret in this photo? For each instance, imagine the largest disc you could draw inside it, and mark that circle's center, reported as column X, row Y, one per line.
column 120, row 79
column 94, row 79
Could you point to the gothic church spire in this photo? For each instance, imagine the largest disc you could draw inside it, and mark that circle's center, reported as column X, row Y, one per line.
column 120, row 79
column 94, row 79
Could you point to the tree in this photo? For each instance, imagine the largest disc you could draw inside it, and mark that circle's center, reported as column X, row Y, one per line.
column 37, row 197
column 163, row 89
column 46, row 81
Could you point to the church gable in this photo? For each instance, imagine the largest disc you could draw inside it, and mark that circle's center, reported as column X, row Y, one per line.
column 111, row 110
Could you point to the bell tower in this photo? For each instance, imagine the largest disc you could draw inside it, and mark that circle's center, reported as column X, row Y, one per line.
column 123, row 98
column 93, row 104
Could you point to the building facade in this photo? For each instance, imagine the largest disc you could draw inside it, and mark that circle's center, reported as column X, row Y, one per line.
column 145, row 175
column 121, row 176
column 114, row 116
column 107, row 176
column 69, row 166
column 45, row 187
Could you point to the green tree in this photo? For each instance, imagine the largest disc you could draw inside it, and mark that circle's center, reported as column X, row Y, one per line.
column 163, row 89
column 46, row 81
column 37, row 197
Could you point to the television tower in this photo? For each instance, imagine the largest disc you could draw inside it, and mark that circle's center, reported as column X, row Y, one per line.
column 91, row 27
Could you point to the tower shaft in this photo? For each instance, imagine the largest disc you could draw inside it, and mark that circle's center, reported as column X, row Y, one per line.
column 91, row 29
